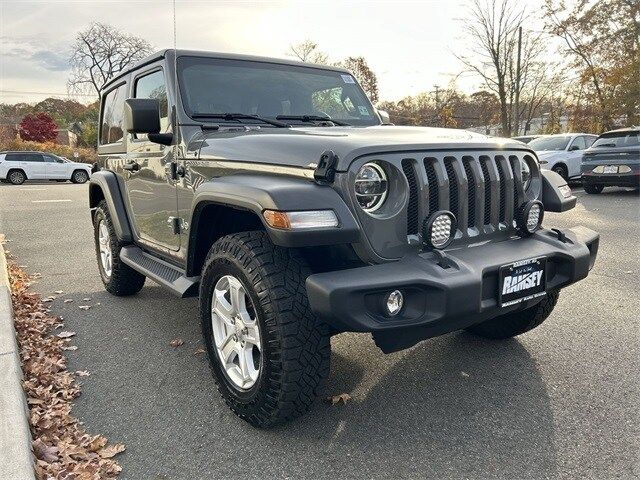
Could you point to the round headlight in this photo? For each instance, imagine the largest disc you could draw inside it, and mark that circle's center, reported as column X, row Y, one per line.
column 371, row 187
column 525, row 173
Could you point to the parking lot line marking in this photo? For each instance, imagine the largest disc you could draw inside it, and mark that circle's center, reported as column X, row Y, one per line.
column 51, row 201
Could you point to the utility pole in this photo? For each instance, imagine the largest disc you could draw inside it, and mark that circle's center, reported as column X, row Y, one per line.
column 437, row 91
column 516, row 113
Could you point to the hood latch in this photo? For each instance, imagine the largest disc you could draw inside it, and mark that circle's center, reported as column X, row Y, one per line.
column 325, row 172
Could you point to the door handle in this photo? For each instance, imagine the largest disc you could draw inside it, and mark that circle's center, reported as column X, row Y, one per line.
column 131, row 166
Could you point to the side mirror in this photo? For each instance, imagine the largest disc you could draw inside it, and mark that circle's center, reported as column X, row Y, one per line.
column 142, row 115
column 384, row 117
column 573, row 148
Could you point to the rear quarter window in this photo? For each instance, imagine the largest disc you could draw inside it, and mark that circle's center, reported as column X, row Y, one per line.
column 112, row 115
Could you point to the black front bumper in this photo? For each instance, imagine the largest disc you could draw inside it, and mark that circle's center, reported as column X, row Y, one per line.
column 447, row 295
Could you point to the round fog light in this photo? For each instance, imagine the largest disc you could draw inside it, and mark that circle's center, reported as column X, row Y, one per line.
column 439, row 229
column 395, row 300
column 529, row 217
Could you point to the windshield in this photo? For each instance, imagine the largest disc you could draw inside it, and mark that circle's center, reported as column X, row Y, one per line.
column 549, row 143
column 618, row 139
column 217, row 86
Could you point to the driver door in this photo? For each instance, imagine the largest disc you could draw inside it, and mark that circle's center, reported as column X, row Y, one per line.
column 56, row 168
column 150, row 189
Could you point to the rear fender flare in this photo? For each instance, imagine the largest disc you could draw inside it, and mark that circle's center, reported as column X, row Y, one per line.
column 104, row 184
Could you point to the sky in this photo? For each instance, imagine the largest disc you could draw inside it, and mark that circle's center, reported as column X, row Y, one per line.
column 410, row 45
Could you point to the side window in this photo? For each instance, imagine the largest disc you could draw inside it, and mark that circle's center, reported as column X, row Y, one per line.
column 14, row 157
column 112, row 115
column 589, row 140
column 153, row 86
column 50, row 159
column 33, row 157
column 578, row 142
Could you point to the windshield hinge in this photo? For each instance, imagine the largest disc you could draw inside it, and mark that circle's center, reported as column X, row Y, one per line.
column 325, row 172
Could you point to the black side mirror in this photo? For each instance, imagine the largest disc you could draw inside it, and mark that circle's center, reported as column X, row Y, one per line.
column 142, row 115
column 573, row 148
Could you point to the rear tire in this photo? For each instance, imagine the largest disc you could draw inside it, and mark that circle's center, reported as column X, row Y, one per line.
column 593, row 189
column 294, row 351
column 16, row 177
column 119, row 279
column 516, row 323
column 79, row 176
column 562, row 171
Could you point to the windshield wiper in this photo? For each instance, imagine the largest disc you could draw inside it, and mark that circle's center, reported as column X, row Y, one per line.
column 311, row 118
column 241, row 116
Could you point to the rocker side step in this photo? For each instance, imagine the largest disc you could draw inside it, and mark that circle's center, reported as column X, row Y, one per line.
column 160, row 271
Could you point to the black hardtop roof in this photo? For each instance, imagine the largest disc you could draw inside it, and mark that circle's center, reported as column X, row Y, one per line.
column 230, row 56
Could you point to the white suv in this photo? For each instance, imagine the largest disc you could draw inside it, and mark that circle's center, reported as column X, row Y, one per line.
column 16, row 167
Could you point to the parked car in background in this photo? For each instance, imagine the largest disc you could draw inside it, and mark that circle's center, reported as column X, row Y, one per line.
column 612, row 161
column 16, row 167
column 526, row 138
column 562, row 153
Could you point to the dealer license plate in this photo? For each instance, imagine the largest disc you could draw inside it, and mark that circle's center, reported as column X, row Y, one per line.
column 611, row 169
column 522, row 281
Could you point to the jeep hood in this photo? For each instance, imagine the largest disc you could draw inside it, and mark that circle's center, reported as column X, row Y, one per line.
column 302, row 146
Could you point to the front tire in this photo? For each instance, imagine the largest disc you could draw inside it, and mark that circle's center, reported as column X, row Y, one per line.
column 118, row 278
column 593, row 189
column 289, row 350
column 79, row 176
column 516, row 323
column 562, row 171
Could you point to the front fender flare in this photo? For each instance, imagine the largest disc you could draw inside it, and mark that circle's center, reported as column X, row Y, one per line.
column 257, row 193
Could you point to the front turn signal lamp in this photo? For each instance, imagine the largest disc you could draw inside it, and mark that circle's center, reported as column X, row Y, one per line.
column 300, row 220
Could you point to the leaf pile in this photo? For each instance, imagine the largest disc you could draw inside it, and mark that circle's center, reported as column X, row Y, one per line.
column 63, row 449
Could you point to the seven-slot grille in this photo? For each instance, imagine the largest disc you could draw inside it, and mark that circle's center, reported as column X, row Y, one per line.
column 482, row 190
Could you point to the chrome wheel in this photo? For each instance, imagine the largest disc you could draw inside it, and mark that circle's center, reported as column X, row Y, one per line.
column 104, row 244
column 235, row 332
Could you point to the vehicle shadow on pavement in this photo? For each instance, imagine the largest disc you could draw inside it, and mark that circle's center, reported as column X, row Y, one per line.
column 459, row 401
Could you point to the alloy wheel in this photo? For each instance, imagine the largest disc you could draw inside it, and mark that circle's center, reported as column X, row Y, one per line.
column 236, row 333
column 104, row 243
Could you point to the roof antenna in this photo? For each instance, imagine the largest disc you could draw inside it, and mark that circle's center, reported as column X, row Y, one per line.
column 174, row 112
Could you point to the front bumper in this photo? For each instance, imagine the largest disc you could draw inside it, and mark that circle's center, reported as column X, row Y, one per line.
column 441, row 299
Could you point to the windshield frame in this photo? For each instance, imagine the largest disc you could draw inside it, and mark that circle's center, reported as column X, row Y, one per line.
column 193, row 115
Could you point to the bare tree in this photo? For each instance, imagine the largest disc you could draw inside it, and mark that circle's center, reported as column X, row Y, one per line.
column 308, row 51
column 492, row 28
column 100, row 52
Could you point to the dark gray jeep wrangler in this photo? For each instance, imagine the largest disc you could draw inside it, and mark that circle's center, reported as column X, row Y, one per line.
column 275, row 192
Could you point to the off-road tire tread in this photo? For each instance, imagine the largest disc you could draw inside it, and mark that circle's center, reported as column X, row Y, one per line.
column 124, row 280
column 517, row 323
column 299, row 343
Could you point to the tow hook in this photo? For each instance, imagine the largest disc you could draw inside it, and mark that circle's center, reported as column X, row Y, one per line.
column 325, row 172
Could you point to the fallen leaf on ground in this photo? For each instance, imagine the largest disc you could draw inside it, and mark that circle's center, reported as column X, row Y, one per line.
column 66, row 334
column 58, row 292
column 111, row 450
column 44, row 452
column 48, row 299
column 71, row 347
column 68, row 300
column 199, row 351
column 82, row 373
column 336, row 399
column 176, row 342
column 464, row 374
column 86, row 299
column 84, row 307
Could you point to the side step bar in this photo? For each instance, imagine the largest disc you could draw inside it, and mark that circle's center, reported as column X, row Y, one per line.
column 160, row 271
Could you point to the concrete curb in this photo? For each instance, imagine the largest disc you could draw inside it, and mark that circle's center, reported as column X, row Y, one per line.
column 16, row 457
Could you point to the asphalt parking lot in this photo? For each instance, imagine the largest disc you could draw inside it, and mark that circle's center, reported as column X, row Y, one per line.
column 559, row 402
